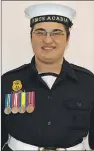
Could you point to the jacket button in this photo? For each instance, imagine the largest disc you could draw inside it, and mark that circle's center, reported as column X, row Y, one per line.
column 79, row 104
column 49, row 123
column 49, row 97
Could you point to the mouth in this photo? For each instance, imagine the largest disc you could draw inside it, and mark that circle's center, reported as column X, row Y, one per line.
column 48, row 48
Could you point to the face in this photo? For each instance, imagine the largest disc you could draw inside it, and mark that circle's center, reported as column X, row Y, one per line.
column 49, row 48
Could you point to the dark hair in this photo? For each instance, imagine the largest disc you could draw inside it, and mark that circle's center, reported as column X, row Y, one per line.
column 66, row 28
column 67, row 31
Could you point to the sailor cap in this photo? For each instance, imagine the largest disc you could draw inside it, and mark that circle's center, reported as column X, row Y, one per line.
column 50, row 12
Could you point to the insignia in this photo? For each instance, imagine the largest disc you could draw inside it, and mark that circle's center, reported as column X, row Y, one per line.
column 7, row 109
column 30, row 102
column 17, row 85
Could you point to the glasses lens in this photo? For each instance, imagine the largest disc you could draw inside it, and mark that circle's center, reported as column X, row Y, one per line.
column 57, row 35
column 40, row 34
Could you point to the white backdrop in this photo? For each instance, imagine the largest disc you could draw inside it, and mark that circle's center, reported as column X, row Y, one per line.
column 16, row 45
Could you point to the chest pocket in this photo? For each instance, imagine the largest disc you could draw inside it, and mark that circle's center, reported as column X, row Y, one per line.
column 79, row 111
column 77, row 104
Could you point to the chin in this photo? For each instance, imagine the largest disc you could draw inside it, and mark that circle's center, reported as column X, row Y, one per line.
column 48, row 60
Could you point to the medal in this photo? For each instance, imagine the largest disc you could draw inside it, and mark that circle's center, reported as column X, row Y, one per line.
column 15, row 103
column 22, row 109
column 22, row 102
column 30, row 108
column 30, row 102
column 7, row 109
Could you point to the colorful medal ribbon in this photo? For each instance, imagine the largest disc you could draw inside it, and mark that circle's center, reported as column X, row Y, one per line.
column 10, row 101
column 16, row 100
column 22, row 102
column 6, row 101
column 15, row 103
column 13, row 100
column 23, row 98
column 30, row 102
column 32, row 99
column 7, row 109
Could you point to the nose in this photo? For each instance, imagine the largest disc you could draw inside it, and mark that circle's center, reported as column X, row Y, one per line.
column 48, row 39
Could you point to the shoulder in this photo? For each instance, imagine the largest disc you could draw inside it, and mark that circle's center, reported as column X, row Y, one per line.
column 15, row 71
column 82, row 70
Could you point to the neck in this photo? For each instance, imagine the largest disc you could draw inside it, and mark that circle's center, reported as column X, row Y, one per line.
column 43, row 67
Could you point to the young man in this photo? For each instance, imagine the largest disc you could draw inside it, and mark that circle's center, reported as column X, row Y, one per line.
column 49, row 103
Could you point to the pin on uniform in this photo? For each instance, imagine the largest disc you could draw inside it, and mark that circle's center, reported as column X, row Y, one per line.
column 19, row 101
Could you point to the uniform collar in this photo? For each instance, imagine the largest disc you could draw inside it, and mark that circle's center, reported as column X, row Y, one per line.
column 66, row 69
column 33, row 69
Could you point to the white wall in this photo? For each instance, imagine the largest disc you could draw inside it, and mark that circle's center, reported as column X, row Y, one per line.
column 16, row 46
column 0, row 78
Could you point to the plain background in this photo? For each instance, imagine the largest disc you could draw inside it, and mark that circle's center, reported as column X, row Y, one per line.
column 16, row 44
column 0, row 74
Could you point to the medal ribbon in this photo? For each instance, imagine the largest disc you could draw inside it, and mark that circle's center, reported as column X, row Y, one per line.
column 23, row 99
column 27, row 98
column 13, row 100
column 17, row 99
column 10, row 100
column 30, row 98
column 6, row 100
column 33, row 99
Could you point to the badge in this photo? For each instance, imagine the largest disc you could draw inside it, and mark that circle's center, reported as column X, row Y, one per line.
column 17, row 85
column 15, row 102
column 30, row 105
column 7, row 109
column 22, row 102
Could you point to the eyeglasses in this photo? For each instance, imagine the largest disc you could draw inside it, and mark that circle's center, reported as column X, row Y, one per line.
column 55, row 35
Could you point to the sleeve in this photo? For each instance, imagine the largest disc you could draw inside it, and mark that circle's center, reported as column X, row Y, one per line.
column 4, row 133
column 91, row 130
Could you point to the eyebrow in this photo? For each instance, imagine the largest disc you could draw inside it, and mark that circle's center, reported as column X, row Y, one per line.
column 57, row 30
column 42, row 29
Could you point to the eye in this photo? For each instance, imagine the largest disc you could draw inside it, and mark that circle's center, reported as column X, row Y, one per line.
column 57, row 33
column 40, row 33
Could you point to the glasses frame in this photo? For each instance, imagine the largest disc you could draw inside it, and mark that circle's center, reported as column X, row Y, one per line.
column 50, row 33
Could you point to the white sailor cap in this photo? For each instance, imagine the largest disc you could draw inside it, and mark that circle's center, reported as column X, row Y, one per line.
column 50, row 12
